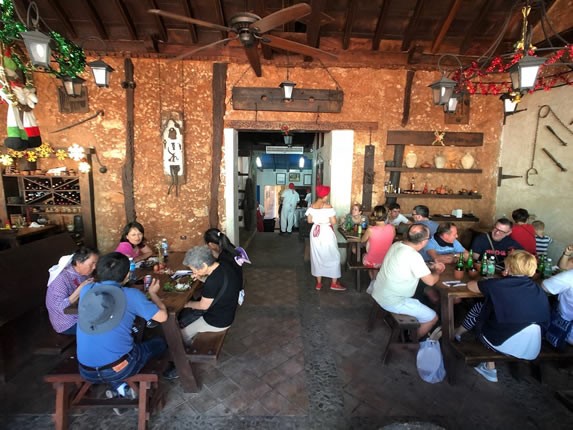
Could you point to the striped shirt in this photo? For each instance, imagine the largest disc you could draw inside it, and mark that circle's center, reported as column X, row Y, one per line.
column 57, row 298
column 542, row 243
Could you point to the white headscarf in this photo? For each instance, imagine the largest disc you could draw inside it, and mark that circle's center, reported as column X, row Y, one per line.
column 57, row 269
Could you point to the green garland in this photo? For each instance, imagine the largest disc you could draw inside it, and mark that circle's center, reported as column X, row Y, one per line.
column 69, row 56
column 10, row 29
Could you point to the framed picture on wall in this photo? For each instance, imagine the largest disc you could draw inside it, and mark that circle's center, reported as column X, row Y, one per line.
column 307, row 180
column 294, row 177
column 281, row 178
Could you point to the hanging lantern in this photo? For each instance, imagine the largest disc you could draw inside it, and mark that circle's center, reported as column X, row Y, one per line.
column 442, row 90
column 73, row 86
column 288, row 87
column 101, row 71
column 38, row 46
column 524, row 73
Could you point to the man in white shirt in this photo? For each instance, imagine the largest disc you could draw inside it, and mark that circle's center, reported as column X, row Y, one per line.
column 402, row 269
column 290, row 199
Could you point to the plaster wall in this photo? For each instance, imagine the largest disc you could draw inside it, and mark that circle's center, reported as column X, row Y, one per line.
column 550, row 198
column 370, row 95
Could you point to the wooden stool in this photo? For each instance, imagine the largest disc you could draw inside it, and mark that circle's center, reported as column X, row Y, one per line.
column 399, row 325
column 206, row 346
column 72, row 392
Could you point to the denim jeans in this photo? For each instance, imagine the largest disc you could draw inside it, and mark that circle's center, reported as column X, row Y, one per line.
column 137, row 358
column 71, row 331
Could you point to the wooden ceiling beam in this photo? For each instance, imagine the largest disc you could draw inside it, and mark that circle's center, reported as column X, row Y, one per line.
column 192, row 27
column 63, row 18
column 220, row 16
column 96, row 19
column 126, row 17
column 260, row 10
column 412, row 24
column 313, row 26
column 475, row 26
column 446, row 24
column 159, row 24
column 380, row 25
column 350, row 15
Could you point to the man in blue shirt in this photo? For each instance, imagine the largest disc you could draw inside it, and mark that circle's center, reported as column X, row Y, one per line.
column 106, row 350
column 421, row 214
column 444, row 247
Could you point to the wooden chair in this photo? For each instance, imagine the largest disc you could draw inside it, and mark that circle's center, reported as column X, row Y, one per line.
column 74, row 392
column 400, row 326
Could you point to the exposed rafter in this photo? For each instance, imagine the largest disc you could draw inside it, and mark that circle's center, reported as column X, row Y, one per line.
column 63, row 18
column 446, row 23
column 380, row 25
column 412, row 24
column 96, row 19
column 474, row 26
column 218, row 6
column 192, row 27
column 126, row 17
column 350, row 13
column 260, row 10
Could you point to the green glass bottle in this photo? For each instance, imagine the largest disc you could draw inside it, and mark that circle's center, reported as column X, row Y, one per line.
column 470, row 262
column 460, row 263
column 483, row 271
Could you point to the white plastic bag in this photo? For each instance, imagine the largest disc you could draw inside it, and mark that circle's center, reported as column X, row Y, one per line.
column 430, row 362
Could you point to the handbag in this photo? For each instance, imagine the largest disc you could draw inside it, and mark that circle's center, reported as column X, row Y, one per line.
column 559, row 329
column 430, row 362
column 189, row 315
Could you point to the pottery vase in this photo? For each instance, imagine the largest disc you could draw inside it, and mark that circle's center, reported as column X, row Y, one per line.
column 467, row 161
column 439, row 161
column 411, row 159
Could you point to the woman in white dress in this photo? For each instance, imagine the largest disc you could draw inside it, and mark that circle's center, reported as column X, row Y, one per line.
column 324, row 255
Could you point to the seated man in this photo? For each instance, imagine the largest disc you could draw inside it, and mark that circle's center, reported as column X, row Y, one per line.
column 395, row 218
column 106, row 349
column 497, row 243
column 421, row 214
column 444, row 247
column 402, row 269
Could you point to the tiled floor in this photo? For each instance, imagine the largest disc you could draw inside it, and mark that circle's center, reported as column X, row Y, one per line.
column 296, row 358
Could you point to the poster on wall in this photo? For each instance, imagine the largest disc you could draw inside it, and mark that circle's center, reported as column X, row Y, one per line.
column 307, row 180
column 294, row 177
column 281, row 178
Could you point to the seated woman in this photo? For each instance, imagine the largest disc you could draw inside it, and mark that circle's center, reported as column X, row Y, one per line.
column 514, row 312
column 220, row 294
column 355, row 216
column 223, row 250
column 67, row 278
column 132, row 243
column 378, row 239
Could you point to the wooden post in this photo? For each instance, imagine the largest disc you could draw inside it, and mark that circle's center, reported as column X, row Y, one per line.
column 368, row 180
column 127, row 171
column 219, row 87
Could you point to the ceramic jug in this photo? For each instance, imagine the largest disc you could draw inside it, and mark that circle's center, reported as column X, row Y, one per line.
column 439, row 161
column 411, row 159
column 467, row 161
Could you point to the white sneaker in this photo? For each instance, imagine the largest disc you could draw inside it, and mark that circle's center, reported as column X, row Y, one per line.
column 489, row 374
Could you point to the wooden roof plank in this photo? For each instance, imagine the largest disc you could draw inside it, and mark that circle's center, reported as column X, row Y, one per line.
column 380, row 25
column 126, row 17
column 350, row 16
column 475, row 26
column 412, row 24
column 446, row 23
column 96, row 19
column 260, row 10
column 63, row 17
column 192, row 27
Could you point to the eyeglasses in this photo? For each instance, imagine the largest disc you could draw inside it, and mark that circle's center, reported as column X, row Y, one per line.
column 500, row 231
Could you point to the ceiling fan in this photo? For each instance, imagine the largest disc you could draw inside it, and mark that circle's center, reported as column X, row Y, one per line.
column 250, row 29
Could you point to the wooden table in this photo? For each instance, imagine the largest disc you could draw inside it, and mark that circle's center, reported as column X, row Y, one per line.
column 16, row 237
column 174, row 302
column 353, row 242
column 447, row 297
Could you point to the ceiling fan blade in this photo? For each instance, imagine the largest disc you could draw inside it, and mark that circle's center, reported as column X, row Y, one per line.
column 210, row 45
column 254, row 59
column 299, row 48
column 281, row 17
column 186, row 19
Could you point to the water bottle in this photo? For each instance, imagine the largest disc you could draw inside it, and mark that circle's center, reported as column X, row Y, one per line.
column 491, row 266
column 131, row 269
column 164, row 248
column 548, row 269
column 484, row 271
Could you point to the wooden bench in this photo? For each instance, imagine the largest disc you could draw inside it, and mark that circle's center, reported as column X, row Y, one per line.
column 400, row 326
column 73, row 392
column 53, row 343
column 474, row 352
column 206, row 346
column 359, row 268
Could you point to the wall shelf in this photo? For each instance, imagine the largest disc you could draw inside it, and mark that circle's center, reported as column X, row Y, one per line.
column 431, row 170
column 434, row 196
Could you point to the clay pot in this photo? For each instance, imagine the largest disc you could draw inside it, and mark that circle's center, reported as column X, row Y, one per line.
column 458, row 275
column 473, row 273
column 468, row 161
column 439, row 161
column 411, row 159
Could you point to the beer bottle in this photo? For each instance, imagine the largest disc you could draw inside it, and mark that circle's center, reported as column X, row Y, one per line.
column 470, row 262
column 483, row 271
column 491, row 266
column 548, row 269
column 460, row 263
column 541, row 265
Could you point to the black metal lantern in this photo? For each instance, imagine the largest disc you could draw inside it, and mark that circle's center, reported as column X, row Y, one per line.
column 73, row 85
column 524, row 73
column 442, row 90
column 101, row 71
column 287, row 87
column 38, row 46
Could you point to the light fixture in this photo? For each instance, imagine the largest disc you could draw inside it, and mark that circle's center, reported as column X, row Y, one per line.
column 510, row 102
column 287, row 87
column 301, row 162
column 452, row 104
column 288, row 139
column 73, row 86
column 258, row 162
column 101, row 71
column 37, row 43
column 443, row 88
column 523, row 74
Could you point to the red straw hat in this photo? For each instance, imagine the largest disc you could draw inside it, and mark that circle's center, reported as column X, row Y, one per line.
column 291, row 186
column 322, row 191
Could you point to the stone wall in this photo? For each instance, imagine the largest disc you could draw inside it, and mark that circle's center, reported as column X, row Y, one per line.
column 369, row 95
